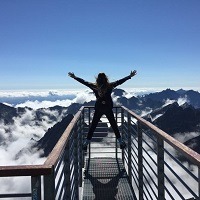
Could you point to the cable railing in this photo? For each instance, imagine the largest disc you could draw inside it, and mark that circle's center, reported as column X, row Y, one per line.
column 158, row 166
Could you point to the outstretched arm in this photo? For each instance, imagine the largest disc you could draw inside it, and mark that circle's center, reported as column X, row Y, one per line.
column 121, row 81
column 133, row 73
column 80, row 80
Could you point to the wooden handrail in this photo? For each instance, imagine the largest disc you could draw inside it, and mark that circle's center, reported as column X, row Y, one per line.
column 186, row 151
column 53, row 157
column 25, row 170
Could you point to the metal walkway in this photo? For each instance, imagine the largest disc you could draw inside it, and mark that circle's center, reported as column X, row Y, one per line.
column 106, row 179
column 153, row 166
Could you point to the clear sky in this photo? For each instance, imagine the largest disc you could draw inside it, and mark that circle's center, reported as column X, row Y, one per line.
column 42, row 40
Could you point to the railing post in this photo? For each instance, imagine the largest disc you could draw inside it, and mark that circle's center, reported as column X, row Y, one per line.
column 140, row 161
column 89, row 112
column 160, row 162
column 79, row 133
column 76, row 171
column 129, row 148
column 67, row 172
column 122, row 125
column 116, row 149
column 49, row 186
column 82, row 136
column 36, row 187
column 199, row 180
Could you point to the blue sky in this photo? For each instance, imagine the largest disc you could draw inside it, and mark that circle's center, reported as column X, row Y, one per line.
column 42, row 40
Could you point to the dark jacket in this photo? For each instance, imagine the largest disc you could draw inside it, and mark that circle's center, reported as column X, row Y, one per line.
column 103, row 102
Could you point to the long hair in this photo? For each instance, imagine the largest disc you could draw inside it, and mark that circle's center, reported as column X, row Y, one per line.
column 102, row 80
column 102, row 84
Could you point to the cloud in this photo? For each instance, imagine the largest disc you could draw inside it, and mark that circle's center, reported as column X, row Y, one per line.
column 34, row 98
column 140, row 91
column 145, row 112
column 16, row 136
column 183, row 100
column 156, row 117
column 180, row 101
column 183, row 137
column 47, row 98
column 78, row 97
column 84, row 96
column 168, row 102
column 44, row 104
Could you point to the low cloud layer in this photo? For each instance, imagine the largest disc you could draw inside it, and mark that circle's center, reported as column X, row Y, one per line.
column 45, row 99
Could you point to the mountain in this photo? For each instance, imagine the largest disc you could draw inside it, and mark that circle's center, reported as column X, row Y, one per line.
column 8, row 112
column 118, row 92
column 178, row 119
column 51, row 137
column 181, row 91
column 171, row 118
column 192, row 96
column 48, row 141
column 194, row 144
column 163, row 95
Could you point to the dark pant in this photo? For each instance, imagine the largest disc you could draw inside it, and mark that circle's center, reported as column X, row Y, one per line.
column 97, row 115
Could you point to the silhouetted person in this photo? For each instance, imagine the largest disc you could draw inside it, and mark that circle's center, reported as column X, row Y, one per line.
column 102, row 89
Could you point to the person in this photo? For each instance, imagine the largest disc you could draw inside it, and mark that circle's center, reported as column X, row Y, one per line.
column 102, row 89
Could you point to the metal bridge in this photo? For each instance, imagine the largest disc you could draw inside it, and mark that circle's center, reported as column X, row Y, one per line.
column 152, row 166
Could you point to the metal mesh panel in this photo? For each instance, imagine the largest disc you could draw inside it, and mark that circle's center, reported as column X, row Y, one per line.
column 106, row 179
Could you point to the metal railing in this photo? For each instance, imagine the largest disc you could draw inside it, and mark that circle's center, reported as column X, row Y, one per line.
column 103, row 143
column 159, row 167
column 60, row 177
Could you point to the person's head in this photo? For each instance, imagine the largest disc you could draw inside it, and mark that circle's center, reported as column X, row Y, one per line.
column 102, row 79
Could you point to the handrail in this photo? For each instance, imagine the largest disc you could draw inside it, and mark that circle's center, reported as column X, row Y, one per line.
column 188, row 152
column 62, row 170
column 25, row 170
column 65, row 151
column 53, row 157
column 152, row 163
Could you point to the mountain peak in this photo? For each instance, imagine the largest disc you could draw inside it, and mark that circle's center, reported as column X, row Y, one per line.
column 118, row 92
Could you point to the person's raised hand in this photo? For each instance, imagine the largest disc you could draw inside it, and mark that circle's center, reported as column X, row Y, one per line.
column 133, row 73
column 71, row 74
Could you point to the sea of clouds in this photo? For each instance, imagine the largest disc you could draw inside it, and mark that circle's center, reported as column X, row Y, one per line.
column 49, row 98
column 18, row 135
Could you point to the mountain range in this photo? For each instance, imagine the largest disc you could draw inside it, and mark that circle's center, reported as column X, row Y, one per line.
column 160, row 108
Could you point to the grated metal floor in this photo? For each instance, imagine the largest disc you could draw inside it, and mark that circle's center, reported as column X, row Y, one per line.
column 106, row 179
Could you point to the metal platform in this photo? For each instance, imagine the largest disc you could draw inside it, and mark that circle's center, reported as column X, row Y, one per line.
column 106, row 179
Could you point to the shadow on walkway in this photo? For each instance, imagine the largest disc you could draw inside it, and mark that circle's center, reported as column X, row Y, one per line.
column 106, row 179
